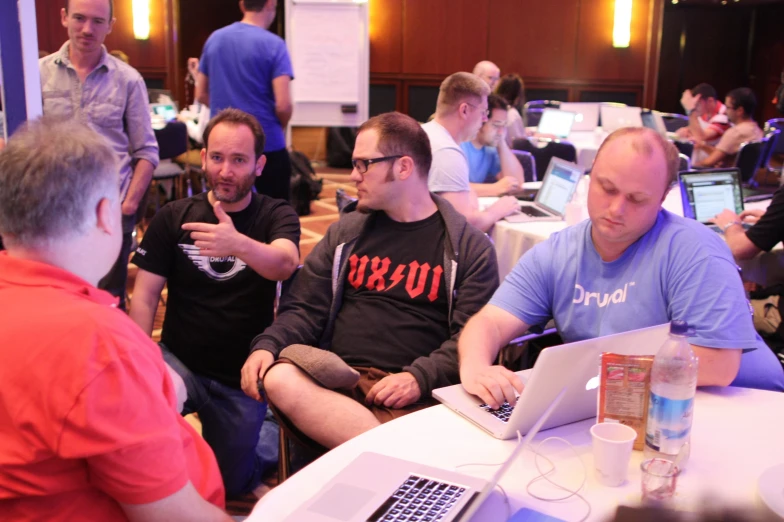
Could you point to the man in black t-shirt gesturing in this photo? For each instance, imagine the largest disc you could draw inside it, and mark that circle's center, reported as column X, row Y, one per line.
column 387, row 290
column 221, row 254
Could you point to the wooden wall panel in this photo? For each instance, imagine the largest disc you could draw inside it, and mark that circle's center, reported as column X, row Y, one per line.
column 386, row 36
column 597, row 59
column 143, row 54
column 51, row 33
column 533, row 39
column 444, row 36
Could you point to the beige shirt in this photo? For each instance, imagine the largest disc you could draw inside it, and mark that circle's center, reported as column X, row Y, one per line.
column 745, row 131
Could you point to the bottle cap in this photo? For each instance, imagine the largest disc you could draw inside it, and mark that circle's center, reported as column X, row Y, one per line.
column 679, row 328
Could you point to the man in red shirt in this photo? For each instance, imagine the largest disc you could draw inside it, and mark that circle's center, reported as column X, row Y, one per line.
column 88, row 424
column 708, row 119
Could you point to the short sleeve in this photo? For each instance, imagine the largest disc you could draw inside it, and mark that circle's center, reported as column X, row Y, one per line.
column 282, row 64
column 448, row 172
column 284, row 224
column 729, row 142
column 127, row 429
column 527, row 292
column 719, row 313
column 156, row 252
column 769, row 230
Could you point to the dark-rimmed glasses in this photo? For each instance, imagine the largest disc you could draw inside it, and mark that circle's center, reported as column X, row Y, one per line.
column 487, row 111
column 362, row 165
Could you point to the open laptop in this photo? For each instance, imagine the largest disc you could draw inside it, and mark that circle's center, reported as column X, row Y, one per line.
column 573, row 366
column 586, row 115
column 614, row 118
column 653, row 120
column 166, row 111
column 705, row 193
column 556, row 122
column 558, row 185
column 376, row 487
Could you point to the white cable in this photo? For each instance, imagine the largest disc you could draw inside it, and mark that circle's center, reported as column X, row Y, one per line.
column 544, row 475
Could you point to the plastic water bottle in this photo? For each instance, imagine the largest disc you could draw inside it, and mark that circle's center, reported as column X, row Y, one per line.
column 671, row 406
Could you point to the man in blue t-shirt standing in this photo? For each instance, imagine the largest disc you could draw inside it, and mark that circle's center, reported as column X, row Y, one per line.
column 630, row 266
column 493, row 169
column 246, row 67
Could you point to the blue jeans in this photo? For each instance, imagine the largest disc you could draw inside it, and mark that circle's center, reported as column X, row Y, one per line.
column 233, row 425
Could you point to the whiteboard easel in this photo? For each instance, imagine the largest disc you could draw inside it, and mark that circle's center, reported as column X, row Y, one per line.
column 330, row 53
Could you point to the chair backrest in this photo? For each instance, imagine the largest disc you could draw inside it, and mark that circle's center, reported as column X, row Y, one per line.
column 528, row 162
column 172, row 140
column 771, row 141
column 748, row 159
column 684, row 147
column 542, row 104
column 542, row 155
column 674, row 121
column 685, row 163
column 776, row 123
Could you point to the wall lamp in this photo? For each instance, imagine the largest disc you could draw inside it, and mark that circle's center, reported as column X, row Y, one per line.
column 622, row 23
column 141, row 19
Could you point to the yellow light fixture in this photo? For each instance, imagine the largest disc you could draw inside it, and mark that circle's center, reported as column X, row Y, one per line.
column 622, row 23
column 141, row 19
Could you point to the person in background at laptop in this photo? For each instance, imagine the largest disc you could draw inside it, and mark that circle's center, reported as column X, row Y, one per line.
column 83, row 81
column 708, row 119
column 740, row 104
column 387, row 291
column 221, row 254
column 492, row 167
column 512, row 89
column 88, row 423
column 489, row 72
column 767, row 230
column 632, row 265
column 461, row 111
column 245, row 66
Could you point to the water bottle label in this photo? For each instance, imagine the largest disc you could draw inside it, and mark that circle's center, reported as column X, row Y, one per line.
column 669, row 423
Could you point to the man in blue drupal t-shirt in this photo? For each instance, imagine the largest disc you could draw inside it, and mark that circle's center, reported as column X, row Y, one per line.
column 246, row 67
column 493, row 169
column 632, row 265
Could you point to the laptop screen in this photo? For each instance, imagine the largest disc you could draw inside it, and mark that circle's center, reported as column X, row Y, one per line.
column 560, row 182
column 706, row 194
column 166, row 111
column 586, row 115
column 556, row 122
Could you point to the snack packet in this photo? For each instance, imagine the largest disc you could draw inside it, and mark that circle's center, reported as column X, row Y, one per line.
column 624, row 389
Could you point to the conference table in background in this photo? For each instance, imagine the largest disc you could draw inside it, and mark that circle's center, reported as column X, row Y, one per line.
column 512, row 240
column 736, row 436
column 586, row 144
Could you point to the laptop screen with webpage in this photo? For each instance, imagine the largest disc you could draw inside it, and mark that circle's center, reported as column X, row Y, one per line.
column 556, row 122
column 706, row 194
column 559, row 184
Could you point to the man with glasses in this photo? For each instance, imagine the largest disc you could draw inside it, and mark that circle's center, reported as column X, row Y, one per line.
column 492, row 167
column 383, row 296
column 740, row 104
column 461, row 110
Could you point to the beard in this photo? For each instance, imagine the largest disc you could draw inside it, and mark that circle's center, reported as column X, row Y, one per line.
column 241, row 188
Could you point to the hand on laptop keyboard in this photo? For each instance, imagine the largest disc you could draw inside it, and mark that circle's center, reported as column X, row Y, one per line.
column 494, row 385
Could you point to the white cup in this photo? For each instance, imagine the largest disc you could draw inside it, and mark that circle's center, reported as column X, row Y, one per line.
column 612, row 450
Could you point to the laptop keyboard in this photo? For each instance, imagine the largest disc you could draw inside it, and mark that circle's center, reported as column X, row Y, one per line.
column 532, row 211
column 503, row 413
column 419, row 499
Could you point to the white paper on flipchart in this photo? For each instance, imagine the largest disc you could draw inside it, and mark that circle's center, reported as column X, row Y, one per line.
column 325, row 52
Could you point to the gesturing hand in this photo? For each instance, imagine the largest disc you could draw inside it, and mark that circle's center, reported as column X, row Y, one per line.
column 219, row 240
column 394, row 391
column 492, row 384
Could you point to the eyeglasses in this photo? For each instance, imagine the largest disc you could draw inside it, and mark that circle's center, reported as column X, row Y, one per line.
column 486, row 111
column 362, row 165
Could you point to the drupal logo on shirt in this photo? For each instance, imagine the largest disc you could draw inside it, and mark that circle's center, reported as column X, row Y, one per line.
column 602, row 300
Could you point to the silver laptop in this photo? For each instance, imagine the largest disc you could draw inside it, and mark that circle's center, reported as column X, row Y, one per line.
column 654, row 120
column 573, row 366
column 376, row 487
column 614, row 118
column 558, row 185
column 556, row 122
column 586, row 115
column 705, row 193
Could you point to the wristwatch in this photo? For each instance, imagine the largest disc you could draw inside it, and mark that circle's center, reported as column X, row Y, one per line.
column 728, row 225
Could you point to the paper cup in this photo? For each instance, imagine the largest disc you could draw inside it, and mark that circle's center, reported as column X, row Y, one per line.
column 612, row 450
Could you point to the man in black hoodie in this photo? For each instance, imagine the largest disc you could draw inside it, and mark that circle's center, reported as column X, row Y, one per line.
column 388, row 290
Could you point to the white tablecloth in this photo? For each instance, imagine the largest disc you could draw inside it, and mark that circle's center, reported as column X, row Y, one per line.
column 736, row 436
column 512, row 240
